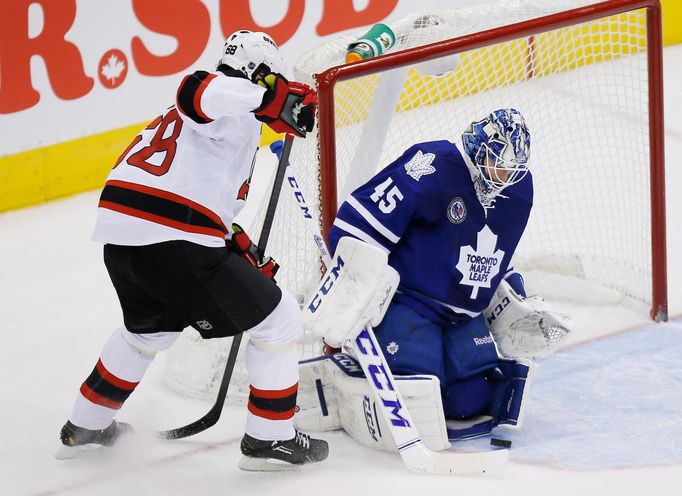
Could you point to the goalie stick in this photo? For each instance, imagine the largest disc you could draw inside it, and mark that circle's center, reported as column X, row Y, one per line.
column 388, row 398
column 213, row 415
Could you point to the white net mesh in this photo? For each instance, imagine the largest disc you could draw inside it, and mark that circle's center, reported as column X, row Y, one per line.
column 583, row 90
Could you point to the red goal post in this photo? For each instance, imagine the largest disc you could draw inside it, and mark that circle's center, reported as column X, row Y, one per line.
column 327, row 80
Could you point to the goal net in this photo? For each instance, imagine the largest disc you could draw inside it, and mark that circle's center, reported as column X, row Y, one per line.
column 587, row 78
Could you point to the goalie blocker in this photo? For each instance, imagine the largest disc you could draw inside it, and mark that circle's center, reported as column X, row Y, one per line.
column 333, row 392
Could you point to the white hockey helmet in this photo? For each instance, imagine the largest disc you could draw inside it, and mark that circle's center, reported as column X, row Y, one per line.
column 253, row 53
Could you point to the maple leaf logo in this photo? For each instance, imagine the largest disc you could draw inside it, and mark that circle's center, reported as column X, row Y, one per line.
column 480, row 265
column 113, row 68
column 420, row 165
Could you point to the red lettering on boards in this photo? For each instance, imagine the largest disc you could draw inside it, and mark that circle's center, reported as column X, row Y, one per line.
column 188, row 21
column 62, row 58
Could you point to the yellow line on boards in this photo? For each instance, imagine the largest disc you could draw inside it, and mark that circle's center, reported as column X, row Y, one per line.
column 43, row 174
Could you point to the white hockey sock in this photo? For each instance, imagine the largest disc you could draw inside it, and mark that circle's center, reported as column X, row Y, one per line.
column 273, row 381
column 118, row 371
column 272, row 366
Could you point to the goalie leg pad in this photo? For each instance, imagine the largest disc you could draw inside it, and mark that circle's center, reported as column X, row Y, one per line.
column 482, row 390
column 511, row 379
column 333, row 394
column 316, row 405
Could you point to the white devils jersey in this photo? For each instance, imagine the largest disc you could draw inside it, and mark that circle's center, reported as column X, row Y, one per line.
column 186, row 175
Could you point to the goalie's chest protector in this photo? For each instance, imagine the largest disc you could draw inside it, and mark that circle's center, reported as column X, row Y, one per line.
column 453, row 252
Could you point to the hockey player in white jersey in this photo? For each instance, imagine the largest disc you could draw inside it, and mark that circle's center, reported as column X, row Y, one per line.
column 449, row 217
column 175, row 258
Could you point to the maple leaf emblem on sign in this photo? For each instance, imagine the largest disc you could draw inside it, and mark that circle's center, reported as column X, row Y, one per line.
column 420, row 165
column 480, row 265
column 113, row 68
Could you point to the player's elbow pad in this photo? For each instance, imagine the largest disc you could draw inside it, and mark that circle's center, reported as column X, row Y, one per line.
column 188, row 99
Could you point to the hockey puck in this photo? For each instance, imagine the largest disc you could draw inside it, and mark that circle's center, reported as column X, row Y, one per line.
column 500, row 443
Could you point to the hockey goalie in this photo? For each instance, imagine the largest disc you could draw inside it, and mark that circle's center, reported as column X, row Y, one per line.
column 422, row 252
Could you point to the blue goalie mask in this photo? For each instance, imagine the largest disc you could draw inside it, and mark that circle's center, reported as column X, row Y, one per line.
column 499, row 149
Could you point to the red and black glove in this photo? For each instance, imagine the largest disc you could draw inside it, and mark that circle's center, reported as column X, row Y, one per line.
column 287, row 107
column 241, row 244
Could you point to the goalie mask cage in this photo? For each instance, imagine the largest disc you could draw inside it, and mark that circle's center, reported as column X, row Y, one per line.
column 588, row 79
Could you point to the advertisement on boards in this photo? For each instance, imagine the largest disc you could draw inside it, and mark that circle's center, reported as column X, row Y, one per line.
column 71, row 68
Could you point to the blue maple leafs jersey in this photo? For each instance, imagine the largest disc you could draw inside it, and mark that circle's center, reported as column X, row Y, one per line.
column 422, row 210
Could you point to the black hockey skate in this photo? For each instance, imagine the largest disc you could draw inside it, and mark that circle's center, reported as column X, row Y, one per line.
column 74, row 438
column 281, row 455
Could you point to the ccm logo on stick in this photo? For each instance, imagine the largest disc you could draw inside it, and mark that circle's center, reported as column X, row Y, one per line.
column 381, row 379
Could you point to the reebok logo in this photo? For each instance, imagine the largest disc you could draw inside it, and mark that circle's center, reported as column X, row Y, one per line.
column 485, row 340
column 204, row 325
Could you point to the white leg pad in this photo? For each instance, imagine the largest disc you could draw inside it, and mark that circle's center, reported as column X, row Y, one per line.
column 333, row 394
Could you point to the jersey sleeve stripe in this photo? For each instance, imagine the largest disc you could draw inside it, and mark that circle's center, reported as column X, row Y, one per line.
column 189, row 96
column 365, row 214
column 361, row 235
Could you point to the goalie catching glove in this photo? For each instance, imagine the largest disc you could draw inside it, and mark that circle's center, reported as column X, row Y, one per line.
column 287, row 107
column 241, row 244
column 524, row 327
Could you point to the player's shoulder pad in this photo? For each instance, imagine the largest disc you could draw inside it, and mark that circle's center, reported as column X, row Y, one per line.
column 193, row 85
column 426, row 159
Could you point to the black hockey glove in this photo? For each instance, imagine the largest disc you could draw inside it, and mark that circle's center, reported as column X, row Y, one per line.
column 241, row 244
column 287, row 107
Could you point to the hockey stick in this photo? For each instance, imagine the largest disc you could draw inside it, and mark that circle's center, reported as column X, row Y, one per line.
column 279, row 149
column 213, row 414
column 414, row 454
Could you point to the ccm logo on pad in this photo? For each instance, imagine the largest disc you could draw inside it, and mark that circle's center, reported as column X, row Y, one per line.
column 327, row 284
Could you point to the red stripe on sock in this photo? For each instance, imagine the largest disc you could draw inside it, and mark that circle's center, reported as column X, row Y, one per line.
column 274, row 393
column 269, row 414
column 113, row 380
column 93, row 397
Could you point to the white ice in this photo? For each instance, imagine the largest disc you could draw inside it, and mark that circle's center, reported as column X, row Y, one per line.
column 603, row 417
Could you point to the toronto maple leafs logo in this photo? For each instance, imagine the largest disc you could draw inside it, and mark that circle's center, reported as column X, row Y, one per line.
column 481, row 264
column 420, row 165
